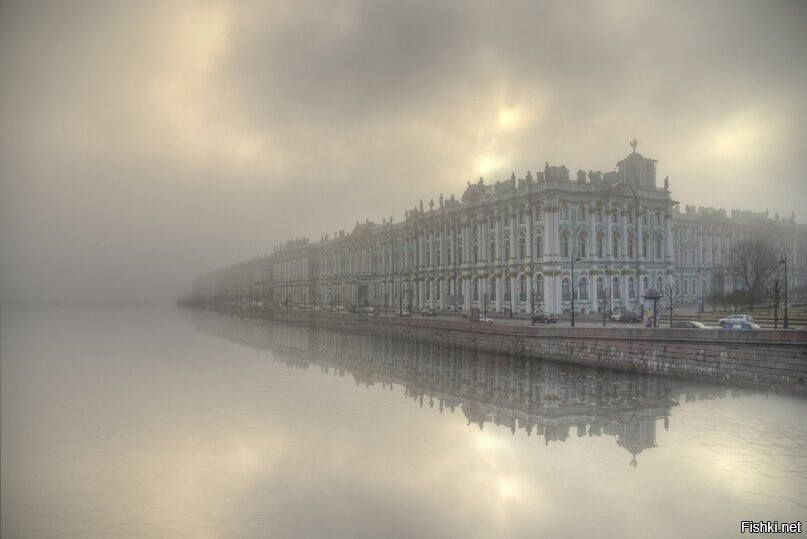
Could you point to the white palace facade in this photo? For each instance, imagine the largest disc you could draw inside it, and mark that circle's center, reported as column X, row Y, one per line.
column 506, row 245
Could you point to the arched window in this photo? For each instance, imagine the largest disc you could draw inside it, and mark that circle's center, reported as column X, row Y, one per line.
column 459, row 253
column 428, row 286
column 475, row 290
column 493, row 289
column 539, row 286
column 507, row 249
column 630, row 246
column 522, row 248
column 659, row 252
column 522, row 288
column 632, row 287
column 600, row 246
column 458, row 287
column 615, row 288
column 600, row 287
column 566, row 289
column 645, row 283
column 476, row 253
column 539, row 247
column 437, row 285
column 686, row 287
column 492, row 251
column 615, row 246
column 644, row 247
column 506, row 284
column 581, row 245
column 564, row 245
column 582, row 288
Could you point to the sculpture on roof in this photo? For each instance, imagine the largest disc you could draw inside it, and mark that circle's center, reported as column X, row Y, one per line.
column 441, row 200
column 667, row 183
column 633, row 144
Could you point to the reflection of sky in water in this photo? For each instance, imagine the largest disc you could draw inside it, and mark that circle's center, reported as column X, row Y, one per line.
column 130, row 423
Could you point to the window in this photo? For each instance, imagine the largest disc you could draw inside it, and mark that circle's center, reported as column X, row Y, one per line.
column 615, row 288
column 631, row 288
column 660, row 284
column 630, row 246
column 539, row 286
column 506, row 284
column 522, row 288
column 459, row 254
column 539, row 247
column 645, row 283
column 507, row 249
column 564, row 245
column 600, row 287
column 659, row 254
column 566, row 289
column 581, row 245
column 522, row 217
column 475, row 290
column 564, row 213
column 437, row 286
column 428, row 288
column 522, row 248
column 615, row 246
column 599, row 247
column 476, row 253
column 644, row 247
column 644, row 219
column 582, row 288
column 493, row 289
column 581, row 213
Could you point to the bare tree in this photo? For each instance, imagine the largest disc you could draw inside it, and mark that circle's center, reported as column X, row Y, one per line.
column 604, row 299
column 671, row 294
column 753, row 265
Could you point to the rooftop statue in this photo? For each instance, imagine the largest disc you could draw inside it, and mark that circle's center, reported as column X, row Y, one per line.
column 667, row 183
column 633, row 144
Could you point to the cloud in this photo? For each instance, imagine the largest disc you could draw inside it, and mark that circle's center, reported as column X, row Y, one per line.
column 216, row 130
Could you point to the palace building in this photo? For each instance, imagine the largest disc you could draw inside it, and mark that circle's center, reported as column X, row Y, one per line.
column 595, row 241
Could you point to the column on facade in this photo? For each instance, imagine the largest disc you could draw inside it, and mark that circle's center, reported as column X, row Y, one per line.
column 668, row 237
column 639, row 239
column 513, row 291
column 499, row 291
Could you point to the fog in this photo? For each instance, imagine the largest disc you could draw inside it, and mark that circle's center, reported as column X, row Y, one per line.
column 144, row 143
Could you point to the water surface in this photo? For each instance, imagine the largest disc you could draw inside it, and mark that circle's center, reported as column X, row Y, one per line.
column 156, row 422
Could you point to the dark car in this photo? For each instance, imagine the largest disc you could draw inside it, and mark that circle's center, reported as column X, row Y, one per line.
column 428, row 312
column 544, row 317
column 624, row 315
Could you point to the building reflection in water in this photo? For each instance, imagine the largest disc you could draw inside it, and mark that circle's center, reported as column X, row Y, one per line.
column 537, row 397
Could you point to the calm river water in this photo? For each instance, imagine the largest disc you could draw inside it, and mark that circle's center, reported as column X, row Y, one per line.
column 158, row 422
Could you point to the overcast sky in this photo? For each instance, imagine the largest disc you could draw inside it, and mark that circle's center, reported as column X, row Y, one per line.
column 142, row 144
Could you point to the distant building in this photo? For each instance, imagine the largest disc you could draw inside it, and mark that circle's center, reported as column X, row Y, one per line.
column 512, row 244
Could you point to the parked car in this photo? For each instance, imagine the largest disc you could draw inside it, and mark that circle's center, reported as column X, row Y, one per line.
column 404, row 314
column 485, row 320
column 689, row 324
column 544, row 317
column 735, row 319
column 621, row 314
column 466, row 314
column 428, row 312
column 742, row 325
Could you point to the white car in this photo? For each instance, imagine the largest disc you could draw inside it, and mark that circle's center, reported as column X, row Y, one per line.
column 485, row 320
column 735, row 319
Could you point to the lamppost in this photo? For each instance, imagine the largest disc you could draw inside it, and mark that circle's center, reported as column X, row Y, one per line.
column 783, row 260
column 575, row 254
column 700, row 304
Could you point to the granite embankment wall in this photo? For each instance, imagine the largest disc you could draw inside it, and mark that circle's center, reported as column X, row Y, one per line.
column 775, row 358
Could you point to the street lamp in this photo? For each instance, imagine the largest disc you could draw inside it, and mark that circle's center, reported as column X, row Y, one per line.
column 700, row 305
column 783, row 260
column 575, row 254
